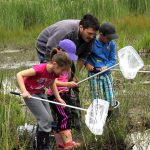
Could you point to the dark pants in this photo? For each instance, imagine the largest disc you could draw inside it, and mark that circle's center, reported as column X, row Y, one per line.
column 41, row 56
column 67, row 118
column 62, row 115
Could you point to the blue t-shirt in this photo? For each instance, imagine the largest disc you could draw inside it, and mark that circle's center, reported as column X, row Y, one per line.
column 102, row 54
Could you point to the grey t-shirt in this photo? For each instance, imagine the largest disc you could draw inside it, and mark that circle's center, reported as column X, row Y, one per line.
column 50, row 36
column 65, row 29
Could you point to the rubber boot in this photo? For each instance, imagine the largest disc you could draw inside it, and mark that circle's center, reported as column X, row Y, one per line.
column 68, row 143
column 59, row 140
column 43, row 142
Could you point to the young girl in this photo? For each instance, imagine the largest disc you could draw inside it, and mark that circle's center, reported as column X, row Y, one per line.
column 32, row 82
column 63, row 115
column 103, row 56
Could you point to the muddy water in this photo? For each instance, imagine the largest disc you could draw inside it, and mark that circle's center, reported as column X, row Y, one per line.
column 10, row 58
column 14, row 59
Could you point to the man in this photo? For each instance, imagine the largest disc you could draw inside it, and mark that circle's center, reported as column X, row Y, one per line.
column 81, row 32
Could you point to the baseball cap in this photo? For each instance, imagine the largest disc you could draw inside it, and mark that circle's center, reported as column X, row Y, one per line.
column 69, row 47
column 108, row 30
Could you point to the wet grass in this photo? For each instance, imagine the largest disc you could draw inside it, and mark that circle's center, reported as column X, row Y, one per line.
column 10, row 118
column 133, row 96
column 134, row 105
column 20, row 24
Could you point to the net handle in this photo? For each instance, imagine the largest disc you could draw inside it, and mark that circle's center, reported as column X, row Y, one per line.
column 97, row 74
column 132, row 50
column 46, row 100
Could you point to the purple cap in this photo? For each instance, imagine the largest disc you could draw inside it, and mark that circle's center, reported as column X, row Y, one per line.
column 69, row 47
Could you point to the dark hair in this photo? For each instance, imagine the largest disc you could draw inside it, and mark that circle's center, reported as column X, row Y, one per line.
column 89, row 20
column 52, row 53
column 61, row 58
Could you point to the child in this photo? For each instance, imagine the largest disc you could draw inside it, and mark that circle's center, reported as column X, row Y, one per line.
column 32, row 82
column 103, row 56
column 62, row 132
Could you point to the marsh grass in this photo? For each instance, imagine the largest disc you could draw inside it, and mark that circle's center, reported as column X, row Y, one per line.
column 10, row 118
column 134, row 107
column 22, row 21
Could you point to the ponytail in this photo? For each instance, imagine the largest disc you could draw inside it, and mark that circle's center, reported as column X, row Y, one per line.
column 62, row 58
column 53, row 52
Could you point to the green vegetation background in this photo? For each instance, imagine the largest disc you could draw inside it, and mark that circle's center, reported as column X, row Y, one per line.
column 22, row 20
column 20, row 23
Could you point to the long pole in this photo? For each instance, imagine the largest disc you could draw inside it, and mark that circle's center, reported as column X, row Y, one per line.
column 142, row 71
column 45, row 100
column 97, row 73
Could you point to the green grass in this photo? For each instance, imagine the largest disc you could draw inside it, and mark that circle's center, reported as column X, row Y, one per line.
column 10, row 118
column 22, row 21
column 134, row 105
column 134, row 31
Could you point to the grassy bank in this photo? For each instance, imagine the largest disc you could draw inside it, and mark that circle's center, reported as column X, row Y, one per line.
column 21, row 21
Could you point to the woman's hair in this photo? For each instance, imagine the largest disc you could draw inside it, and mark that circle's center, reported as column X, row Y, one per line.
column 61, row 58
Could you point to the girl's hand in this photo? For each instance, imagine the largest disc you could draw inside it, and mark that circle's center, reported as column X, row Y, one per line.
column 72, row 84
column 26, row 94
column 61, row 101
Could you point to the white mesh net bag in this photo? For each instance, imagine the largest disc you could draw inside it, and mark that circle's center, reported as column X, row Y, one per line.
column 96, row 116
column 129, row 61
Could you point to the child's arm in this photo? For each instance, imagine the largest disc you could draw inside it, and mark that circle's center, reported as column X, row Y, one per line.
column 56, row 93
column 66, row 84
column 20, row 76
